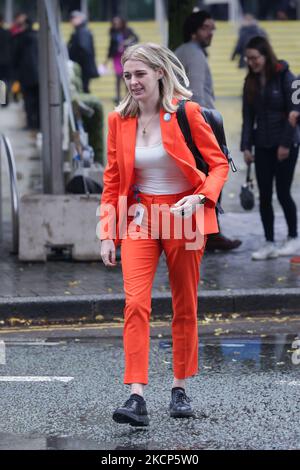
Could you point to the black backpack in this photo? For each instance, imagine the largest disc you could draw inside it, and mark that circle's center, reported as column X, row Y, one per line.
column 215, row 120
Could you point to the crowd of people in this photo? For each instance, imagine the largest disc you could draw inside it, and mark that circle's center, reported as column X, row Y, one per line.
column 270, row 134
column 149, row 162
column 19, row 57
column 19, row 64
column 147, row 119
column 270, row 131
column 263, row 9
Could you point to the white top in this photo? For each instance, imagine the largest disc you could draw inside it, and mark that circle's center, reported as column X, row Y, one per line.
column 157, row 173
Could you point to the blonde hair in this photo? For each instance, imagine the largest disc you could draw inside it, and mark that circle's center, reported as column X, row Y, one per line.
column 173, row 84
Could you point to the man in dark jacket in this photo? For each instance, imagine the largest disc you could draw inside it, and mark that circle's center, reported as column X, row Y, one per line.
column 198, row 31
column 5, row 56
column 25, row 63
column 81, row 49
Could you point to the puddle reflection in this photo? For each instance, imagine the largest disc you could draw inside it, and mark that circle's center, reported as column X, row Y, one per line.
column 270, row 352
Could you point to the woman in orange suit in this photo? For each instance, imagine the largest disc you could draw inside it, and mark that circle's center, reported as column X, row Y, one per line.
column 152, row 192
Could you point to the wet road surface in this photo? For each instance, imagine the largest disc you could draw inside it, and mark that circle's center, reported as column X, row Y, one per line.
column 59, row 388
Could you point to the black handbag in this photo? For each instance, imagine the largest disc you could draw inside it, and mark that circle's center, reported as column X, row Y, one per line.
column 246, row 194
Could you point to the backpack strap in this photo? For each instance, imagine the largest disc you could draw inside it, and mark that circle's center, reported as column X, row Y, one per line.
column 186, row 131
column 215, row 120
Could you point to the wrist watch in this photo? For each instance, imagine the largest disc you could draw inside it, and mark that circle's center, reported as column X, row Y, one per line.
column 202, row 198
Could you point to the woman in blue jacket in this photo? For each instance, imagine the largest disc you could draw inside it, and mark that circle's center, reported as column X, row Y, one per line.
column 267, row 102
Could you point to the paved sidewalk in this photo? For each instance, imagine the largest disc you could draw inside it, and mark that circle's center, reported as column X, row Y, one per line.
column 90, row 291
column 220, row 271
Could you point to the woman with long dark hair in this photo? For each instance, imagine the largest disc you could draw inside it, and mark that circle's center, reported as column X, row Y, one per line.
column 267, row 102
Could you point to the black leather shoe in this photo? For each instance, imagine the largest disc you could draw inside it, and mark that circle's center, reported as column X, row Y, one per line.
column 133, row 412
column 222, row 243
column 180, row 404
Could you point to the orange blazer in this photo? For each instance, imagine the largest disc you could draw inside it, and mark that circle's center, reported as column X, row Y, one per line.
column 119, row 175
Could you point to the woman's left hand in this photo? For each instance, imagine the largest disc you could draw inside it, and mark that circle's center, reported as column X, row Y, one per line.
column 188, row 204
column 282, row 153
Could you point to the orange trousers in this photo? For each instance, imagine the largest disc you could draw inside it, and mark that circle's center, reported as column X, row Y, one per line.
column 140, row 258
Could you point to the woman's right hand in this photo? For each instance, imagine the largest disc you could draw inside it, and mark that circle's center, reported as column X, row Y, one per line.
column 108, row 253
column 248, row 157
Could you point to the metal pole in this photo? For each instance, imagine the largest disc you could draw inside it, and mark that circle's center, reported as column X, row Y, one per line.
column 1, row 222
column 298, row 9
column 14, row 194
column 50, row 106
column 123, row 8
column 85, row 7
column 8, row 11
column 161, row 16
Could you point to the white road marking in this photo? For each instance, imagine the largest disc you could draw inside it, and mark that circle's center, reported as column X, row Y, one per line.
column 33, row 343
column 11, row 378
column 2, row 353
column 291, row 382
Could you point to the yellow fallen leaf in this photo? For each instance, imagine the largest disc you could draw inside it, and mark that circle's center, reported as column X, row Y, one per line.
column 207, row 319
column 73, row 283
column 15, row 321
column 235, row 315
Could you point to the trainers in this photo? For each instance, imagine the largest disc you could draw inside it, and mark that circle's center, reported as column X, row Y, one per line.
column 268, row 250
column 133, row 412
column 180, row 404
column 290, row 247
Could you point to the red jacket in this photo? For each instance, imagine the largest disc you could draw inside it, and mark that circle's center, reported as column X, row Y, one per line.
column 119, row 175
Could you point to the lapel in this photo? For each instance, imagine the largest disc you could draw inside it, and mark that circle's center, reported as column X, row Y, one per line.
column 175, row 145
column 168, row 131
column 128, row 133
